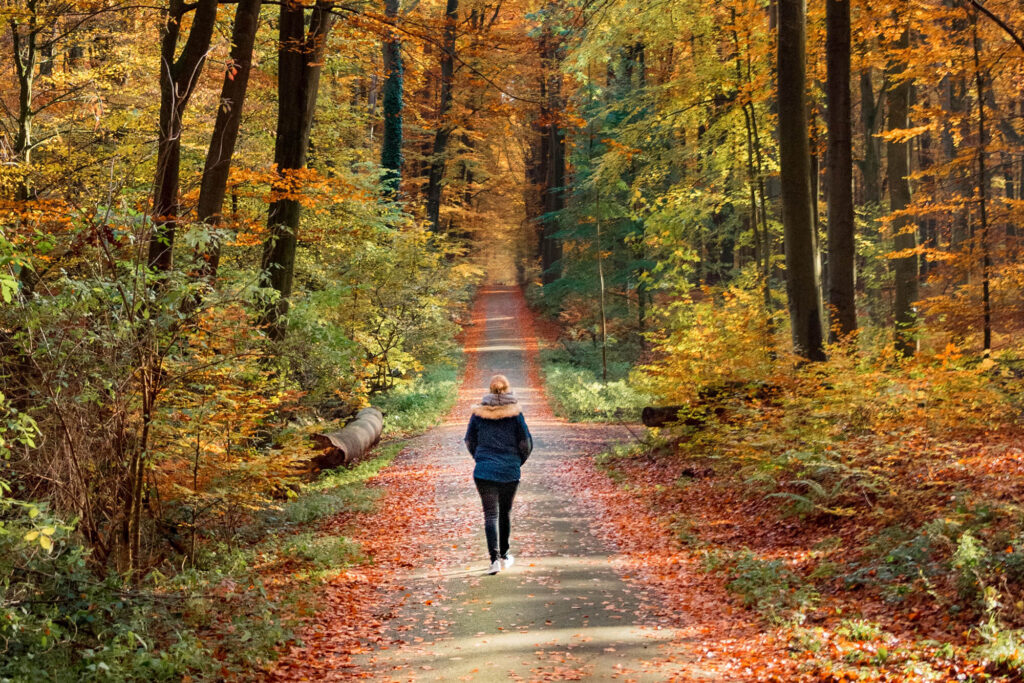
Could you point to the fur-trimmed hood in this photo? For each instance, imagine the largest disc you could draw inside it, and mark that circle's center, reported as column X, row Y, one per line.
column 497, row 412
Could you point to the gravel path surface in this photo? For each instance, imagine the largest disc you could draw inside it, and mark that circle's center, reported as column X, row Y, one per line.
column 562, row 612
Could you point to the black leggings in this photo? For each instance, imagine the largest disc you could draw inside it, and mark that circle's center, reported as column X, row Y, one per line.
column 497, row 499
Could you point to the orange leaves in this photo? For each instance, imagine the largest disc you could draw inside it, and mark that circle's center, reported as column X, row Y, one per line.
column 210, row 421
column 24, row 219
column 900, row 135
column 618, row 147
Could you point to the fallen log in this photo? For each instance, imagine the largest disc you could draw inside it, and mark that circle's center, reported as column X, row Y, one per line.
column 659, row 416
column 350, row 443
column 709, row 402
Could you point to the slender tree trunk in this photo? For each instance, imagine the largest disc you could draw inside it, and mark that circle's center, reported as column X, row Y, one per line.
column 26, row 55
column 24, row 47
column 954, row 95
column 541, row 166
column 841, row 250
column 794, row 157
column 435, row 178
column 766, row 240
column 214, row 184
column 898, row 161
column 537, row 174
column 986, row 256
column 554, row 182
column 871, row 166
column 300, row 60
column 555, row 186
column 1010, row 189
column 178, row 79
column 755, row 181
column 391, row 147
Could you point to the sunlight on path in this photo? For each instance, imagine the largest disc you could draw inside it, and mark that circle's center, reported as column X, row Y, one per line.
column 562, row 612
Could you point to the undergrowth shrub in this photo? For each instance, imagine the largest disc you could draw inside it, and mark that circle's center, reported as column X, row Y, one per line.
column 60, row 621
column 767, row 586
column 1003, row 648
column 972, row 551
column 710, row 337
column 418, row 404
column 827, row 486
column 211, row 619
column 859, row 630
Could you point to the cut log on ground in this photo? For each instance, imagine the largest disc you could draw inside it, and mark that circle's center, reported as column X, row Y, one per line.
column 350, row 443
column 709, row 402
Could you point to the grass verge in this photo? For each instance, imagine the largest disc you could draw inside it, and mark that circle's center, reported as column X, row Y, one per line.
column 579, row 394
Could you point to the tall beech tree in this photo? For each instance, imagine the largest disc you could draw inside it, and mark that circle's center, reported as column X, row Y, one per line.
column 178, row 80
column 438, row 156
column 898, row 171
column 794, row 160
column 841, row 250
column 300, row 55
column 214, row 183
column 391, row 146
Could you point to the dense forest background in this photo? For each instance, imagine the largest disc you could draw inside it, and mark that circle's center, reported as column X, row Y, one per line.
column 225, row 224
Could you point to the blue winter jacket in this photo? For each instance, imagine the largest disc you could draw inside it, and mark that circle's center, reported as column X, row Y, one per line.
column 499, row 441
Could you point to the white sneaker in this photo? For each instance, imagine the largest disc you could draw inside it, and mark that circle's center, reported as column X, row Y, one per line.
column 507, row 562
column 495, row 567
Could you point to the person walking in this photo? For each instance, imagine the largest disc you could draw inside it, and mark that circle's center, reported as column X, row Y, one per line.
column 499, row 441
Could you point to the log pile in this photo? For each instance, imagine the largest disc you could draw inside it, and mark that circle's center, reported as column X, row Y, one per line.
column 349, row 444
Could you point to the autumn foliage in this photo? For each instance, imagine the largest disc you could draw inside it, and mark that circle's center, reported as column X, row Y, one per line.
column 225, row 226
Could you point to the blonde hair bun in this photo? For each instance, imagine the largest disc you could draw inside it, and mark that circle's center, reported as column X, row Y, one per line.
column 499, row 384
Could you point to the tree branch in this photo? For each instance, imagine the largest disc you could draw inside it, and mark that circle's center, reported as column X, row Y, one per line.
column 999, row 22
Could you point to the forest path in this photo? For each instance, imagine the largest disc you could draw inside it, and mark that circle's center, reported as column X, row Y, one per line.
column 562, row 612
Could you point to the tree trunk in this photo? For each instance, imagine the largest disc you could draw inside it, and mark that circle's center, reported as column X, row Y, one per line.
column 214, row 184
column 898, row 160
column 554, row 182
column 178, row 79
column 435, row 178
column 871, row 166
column 391, row 147
column 551, row 255
column 794, row 158
column 300, row 60
column 841, row 250
column 25, row 49
column 539, row 170
column 986, row 256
